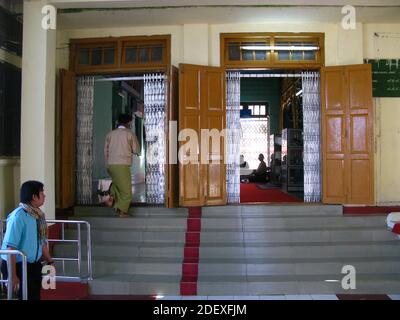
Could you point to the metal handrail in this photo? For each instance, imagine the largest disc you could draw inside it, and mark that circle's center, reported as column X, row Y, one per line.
column 78, row 241
column 9, row 271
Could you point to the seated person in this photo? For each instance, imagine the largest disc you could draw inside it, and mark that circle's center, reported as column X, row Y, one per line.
column 260, row 174
column 243, row 164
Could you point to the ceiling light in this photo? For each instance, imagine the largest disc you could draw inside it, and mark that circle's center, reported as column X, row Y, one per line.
column 281, row 48
column 299, row 93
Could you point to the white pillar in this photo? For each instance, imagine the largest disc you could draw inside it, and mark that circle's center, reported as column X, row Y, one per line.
column 38, row 102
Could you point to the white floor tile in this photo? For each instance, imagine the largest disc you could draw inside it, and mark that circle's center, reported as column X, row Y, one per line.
column 299, row 297
column 194, row 298
column 273, row 297
column 324, row 297
column 170, row 298
column 220, row 297
column 246, row 297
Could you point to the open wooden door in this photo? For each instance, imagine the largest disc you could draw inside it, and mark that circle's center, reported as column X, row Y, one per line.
column 201, row 106
column 172, row 170
column 347, row 135
column 67, row 131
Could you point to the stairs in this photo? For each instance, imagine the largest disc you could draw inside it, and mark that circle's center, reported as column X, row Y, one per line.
column 263, row 250
column 244, row 250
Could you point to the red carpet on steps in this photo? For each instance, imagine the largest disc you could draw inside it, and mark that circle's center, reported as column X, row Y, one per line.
column 250, row 193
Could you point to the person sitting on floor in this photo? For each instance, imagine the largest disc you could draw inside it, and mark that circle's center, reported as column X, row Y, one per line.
column 243, row 164
column 260, row 174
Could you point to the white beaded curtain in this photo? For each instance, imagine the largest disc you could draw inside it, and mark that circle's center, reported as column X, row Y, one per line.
column 233, row 136
column 155, row 101
column 84, row 139
column 311, row 136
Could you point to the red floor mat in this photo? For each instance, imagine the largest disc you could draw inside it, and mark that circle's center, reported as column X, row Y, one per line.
column 250, row 193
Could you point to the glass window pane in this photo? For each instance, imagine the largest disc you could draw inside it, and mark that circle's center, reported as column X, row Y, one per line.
column 297, row 55
column 309, row 55
column 261, row 55
column 96, row 56
column 130, row 55
column 262, row 110
column 234, row 51
column 251, row 109
column 247, row 54
column 144, row 55
column 83, row 56
column 109, row 55
column 256, row 111
column 283, row 55
column 156, row 54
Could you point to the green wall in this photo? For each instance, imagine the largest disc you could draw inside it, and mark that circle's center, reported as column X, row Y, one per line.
column 263, row 89
column 102, row 124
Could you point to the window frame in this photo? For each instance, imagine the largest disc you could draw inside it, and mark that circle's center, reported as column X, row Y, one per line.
column 272, row 61
column 119, row 44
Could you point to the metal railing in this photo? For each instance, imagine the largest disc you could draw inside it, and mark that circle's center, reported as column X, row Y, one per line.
column 78, row 242
column 9, row 281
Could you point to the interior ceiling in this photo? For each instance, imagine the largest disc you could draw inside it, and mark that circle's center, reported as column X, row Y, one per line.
column 145, row 16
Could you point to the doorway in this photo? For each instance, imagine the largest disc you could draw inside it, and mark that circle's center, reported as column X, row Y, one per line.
column 100, row 101
column 279, row 144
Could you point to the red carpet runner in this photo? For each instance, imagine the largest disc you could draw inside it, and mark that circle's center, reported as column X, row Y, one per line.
column 250, row 193
column 190, row 264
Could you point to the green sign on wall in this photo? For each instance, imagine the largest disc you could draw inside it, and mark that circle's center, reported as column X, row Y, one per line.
column 385, row 77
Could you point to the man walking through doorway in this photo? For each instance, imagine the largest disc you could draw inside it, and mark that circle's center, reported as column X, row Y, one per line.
column 120, row 146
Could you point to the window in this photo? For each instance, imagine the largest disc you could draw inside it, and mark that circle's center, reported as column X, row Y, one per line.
column 272, row 50
column 254, row 109
column 114, row 54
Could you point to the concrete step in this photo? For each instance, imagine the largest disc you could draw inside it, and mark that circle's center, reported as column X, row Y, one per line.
column 91, row 211
column 310, row 209
column 136, row 284
column 295, row 284
column 130, row 249
column 300, row 266
column 303, row 221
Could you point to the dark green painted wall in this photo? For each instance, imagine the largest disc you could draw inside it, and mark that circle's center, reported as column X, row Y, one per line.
column 260, row 90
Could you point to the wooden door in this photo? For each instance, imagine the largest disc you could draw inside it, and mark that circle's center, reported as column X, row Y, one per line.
column 190, row 173
column 213, row 118
column 201, row 107
column 172, row 173
column 67, row 132
column 347, row 134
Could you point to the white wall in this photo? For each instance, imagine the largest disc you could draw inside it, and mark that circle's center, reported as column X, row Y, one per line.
column 387, row 115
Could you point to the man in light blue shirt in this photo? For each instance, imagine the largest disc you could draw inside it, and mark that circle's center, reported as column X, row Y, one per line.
column 26, row 231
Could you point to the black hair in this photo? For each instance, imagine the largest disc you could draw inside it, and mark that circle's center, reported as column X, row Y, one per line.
column 124, row 118
column 29, row 189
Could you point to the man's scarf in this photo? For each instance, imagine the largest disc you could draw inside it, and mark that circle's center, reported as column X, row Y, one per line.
column 39, row 216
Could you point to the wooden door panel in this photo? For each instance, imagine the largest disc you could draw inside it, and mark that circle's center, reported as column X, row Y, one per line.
column 359, row 139
column 334, row 93
column 335, row 134
column 213, row 118
column 360, row 183
column 333, row 112
column 190, row 181
column 172, row 168
column 361, row 153
column 335, row 190
column 358, row 88
column 68, row 132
